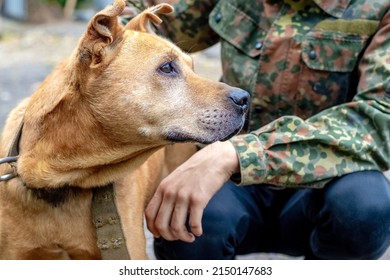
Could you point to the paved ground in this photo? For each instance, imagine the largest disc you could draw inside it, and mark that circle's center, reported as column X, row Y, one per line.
column 29, row 52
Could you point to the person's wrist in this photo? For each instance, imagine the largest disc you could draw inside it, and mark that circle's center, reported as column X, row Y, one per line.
column 229, row 157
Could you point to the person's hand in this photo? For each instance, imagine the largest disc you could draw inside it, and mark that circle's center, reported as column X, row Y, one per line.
column 188, row 189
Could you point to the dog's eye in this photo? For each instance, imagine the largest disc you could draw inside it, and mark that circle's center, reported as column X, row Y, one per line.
column 167, row 68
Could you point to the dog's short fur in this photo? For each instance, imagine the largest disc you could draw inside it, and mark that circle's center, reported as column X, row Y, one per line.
column 103, row 115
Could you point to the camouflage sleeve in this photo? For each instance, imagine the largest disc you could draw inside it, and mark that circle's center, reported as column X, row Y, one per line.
column 291, row 152
column 188, row 26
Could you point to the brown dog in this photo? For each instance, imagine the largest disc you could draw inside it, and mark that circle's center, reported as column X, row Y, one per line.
column 103, row 116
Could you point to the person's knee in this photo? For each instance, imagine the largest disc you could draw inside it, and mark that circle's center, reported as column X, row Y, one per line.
column 359, row 196
column 221, row 219
column 357, row 214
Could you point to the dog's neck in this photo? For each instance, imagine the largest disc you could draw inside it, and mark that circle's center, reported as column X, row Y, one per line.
column 63, row 144
column 83, row 164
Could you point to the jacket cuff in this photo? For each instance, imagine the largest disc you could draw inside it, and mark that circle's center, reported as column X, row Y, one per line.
column 252, row 160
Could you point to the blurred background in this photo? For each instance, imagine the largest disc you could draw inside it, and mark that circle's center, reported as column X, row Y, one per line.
column 36, row 34
column 39, row 11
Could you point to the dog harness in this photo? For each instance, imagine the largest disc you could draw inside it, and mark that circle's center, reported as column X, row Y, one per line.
column 110, row 237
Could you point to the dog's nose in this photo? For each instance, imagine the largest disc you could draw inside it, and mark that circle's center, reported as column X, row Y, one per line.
column 240, row 99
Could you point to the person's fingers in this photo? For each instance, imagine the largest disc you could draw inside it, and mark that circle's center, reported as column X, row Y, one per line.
column 163, row 218
column 162, row 222
column 151, row 213
column 195, row 219
column 179, row 218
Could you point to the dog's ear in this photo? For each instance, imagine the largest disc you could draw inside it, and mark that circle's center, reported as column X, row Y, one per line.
column 142, row 22
column 103, row 29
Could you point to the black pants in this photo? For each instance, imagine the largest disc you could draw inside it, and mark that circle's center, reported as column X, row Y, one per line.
column 348, row 219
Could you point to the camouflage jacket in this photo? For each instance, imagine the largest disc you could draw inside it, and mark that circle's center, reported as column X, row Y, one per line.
column 317, row 71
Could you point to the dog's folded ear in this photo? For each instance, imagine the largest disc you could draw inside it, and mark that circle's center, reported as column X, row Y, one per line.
column 103, row 29
column 142, row 22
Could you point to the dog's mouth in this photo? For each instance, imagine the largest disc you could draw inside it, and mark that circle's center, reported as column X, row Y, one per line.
column 210, row 133
column 179, row 137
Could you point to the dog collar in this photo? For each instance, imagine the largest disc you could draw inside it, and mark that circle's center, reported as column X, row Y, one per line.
column 13, row 155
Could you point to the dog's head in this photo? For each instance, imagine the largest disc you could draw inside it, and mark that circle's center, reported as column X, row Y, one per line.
column 142, row 87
